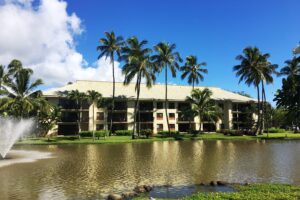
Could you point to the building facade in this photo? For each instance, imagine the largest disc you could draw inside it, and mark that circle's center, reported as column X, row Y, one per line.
column 236, row 109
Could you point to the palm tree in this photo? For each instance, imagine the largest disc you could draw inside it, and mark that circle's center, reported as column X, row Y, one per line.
column 137, row 65
column 21, row 96
column 109, row 46
column 203, row 106
column 166, row 58
column 2, row 77
column 93, row 97
column 249, row 71
column 15, row 66
column 292, row 67
column 193, row 70
column 78, row 97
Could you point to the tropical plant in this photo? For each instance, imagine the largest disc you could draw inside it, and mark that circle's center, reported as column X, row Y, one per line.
column 166, row 58
column 292, row 68
column 79, row 98
column 193, row 70
column 93, row 97
column 137, row 65
column 21, row 96
column 110, row 46
column 203, row 106
column 254, row 69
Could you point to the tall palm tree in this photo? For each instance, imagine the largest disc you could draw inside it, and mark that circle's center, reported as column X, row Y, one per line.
column 78, row 97
column 137, row 65
column 249, row 71
column 93, row 97
column 292, row 67
column 2, row 77
column 166, row 58
column 203, row 106
column 110, row 46
column 15, row 66
column 193, row 70
column 21, row 96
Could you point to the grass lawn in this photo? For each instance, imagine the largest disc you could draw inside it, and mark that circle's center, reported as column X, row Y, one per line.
column 127, row 139
column 253, row 191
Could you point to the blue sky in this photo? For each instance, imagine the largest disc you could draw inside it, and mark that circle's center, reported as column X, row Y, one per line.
column 215, row 31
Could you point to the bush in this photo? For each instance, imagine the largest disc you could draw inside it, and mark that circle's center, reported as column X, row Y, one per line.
column 123, row 132
column 166, row 133
column 275, row 130
column 101, row 133
column 237, row 132
column 86, row 134
column 146, row 132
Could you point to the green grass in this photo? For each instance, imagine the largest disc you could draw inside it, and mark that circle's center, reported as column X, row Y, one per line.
column 253, row 191
column 127, row 139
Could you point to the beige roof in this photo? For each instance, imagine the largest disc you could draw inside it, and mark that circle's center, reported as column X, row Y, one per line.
column 157, row 91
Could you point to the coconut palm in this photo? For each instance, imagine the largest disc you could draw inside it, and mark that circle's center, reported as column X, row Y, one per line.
column 292, row 67
column 203, row 106
column 250, row 71
column 166, row 58
column 139, row 66
column 79, row 98
column 21, row 96
column 193, row 70
column 93, row 97
column 15, row 66
column 110, row 46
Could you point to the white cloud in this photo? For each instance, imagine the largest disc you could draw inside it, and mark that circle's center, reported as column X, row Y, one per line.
column 42, row 38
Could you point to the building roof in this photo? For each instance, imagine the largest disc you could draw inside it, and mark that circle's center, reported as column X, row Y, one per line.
column 157, row 91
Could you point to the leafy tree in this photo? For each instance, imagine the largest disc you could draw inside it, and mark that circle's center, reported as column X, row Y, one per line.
column 137, row 65
column 193, row 70
column 203, row 106
column 110, row 46
column 79, row 98
column 93, row 97
column 166, row 58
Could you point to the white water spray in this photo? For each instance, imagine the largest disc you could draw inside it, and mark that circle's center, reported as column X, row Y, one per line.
column 11, row 130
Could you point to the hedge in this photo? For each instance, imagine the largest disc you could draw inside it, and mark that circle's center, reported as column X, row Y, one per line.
column 98, row 134
column 167, row 134
column 123, row 132
column 232, row 132
column 275, row 130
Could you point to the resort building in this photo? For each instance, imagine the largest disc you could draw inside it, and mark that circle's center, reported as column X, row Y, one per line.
column 236, row 108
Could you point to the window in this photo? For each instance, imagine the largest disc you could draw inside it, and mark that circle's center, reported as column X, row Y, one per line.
column 100, row 116
column 172, row 127
column 171, row 105
column 160, row 116
column 172, row 116
column 159, row 105
column 160, row 127
column 99, row 127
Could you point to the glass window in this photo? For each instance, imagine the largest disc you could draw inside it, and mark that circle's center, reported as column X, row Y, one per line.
column 100, row 116
column 172, row 127
column 159, row 116
column 171, row 105
column 159, row 105
column 160, row 127
column 172, row 116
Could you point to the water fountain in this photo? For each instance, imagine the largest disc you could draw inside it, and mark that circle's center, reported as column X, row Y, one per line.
column 10, row 131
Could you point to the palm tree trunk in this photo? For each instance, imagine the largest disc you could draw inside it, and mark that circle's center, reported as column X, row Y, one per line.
column 166, row 99
column 113, row 96
column 136, row 105
column 200, row 123
column 93, row 122
column 265, row 115
column 258, row 108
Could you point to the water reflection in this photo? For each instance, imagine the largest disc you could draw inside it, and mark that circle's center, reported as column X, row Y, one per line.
column 91, row 171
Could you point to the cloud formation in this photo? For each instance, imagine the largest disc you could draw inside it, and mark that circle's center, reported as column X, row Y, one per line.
column 42, row 37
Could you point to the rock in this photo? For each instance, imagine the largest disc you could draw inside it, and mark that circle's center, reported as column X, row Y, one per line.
column 148, row 188
column 222, row 183
column 114, row 197
column 139, row 189
column 213, row 183
column 127, row 195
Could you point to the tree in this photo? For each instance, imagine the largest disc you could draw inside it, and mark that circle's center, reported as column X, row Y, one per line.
column 21, row 96
column 166, row 58
column 93, row 97
column 253, row 71
column 193, row 70
column 110, row 46
column 137, row 65
column 203, row 106
column 292, row 68
column 78, row 97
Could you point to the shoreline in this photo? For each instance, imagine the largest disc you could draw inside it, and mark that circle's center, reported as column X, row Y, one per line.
column 127, row 139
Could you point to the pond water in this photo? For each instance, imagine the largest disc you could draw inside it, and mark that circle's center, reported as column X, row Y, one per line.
column 93, row 171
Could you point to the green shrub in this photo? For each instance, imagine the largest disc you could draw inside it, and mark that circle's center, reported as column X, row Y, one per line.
column 123, row 132
column 167, row 134
column 275, row 130
column 232, row 132
column 86, row 134
column 101, row 133
column 146, row 132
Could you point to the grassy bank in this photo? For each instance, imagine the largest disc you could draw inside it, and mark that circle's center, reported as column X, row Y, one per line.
column 127, row 139
column 252, row 191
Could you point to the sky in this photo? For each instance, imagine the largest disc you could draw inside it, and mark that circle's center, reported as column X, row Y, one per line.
column 58, row 39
